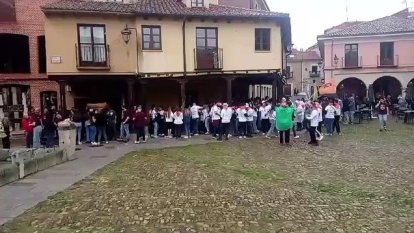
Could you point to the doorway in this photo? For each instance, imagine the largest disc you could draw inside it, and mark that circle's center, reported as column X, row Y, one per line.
column 206, row 51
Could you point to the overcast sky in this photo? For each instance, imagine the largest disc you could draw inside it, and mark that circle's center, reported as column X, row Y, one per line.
column 310, row 18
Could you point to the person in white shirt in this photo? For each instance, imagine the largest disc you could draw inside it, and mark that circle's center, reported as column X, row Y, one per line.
column 263, row 118
column 338, row 112
column 320, row 118
column 265, row 121
column 272, row 125
column 154, row 117
column 299, row 115
column 161, row 123
column 314, row 123
column 207, row 118
column 169, row 121
column 195, row 118
column 249, row 119
column 226, row 114
column 215, row 119
column 242, row 117
column 255, row 130
column 178, row 122
column 329, row 118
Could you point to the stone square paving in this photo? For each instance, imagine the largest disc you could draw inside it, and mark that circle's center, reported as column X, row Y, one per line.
column 362, row 181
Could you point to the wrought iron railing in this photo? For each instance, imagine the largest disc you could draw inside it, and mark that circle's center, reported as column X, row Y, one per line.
column 388, row 62
column 316, row 74
column 208, row 58
column 89, row 55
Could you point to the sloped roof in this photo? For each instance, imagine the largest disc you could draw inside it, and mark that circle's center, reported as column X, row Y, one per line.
column 156, row 7
column 303, row 56
column 342, row 26
column 401, row 22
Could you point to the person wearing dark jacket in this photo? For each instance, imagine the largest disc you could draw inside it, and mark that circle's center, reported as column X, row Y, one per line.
column 76, row 118
column 140, row 121
column 101, row 122
column 6, row 127
column 49, row 128
column 345, row 110
column 111, row 116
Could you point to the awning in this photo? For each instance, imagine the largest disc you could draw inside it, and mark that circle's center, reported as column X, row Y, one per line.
column 328, row 88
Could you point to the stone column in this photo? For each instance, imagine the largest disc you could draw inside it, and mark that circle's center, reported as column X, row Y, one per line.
column 229, row 92
column 182, row 83
column 62, row 96
column 275, row 91
column 143, row 93
column 131, row 102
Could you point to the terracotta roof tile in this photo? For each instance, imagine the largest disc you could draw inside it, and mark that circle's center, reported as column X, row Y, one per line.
column 110, row 7
column 342, row 26
column 157, row 7
column 305, row 55
column 402, row 22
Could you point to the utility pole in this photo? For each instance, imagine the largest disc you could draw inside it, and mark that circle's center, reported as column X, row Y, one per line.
column 347, row 10
column 301, row 70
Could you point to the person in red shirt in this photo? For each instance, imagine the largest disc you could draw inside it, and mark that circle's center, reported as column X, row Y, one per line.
column 27, row 126
column 140, row 121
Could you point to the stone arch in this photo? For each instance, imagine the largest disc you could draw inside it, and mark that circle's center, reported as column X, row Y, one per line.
column 411, row 81
column 387, row 85
column 351, row 87
column 15, row 54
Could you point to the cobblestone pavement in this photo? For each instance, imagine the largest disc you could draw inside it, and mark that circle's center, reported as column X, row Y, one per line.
column 361, row 181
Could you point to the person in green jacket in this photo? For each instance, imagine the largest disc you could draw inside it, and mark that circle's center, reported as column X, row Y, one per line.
column 284, row 121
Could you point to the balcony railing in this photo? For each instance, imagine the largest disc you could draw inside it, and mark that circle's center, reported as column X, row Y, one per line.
column 388, row 62
column 208, row 58
column 314, row 74
column 352, row 63
column 92, row 56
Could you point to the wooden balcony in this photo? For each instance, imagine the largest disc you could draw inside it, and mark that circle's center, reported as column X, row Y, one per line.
column 208, row 58
column 92, row 57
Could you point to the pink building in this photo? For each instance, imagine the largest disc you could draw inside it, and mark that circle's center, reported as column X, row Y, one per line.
column 378, row 53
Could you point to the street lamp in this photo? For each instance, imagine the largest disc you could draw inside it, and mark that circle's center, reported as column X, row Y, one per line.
column 336, row 60
column 289, row 48
column 126, row 34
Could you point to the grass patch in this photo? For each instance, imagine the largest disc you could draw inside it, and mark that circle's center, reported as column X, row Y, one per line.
column 403, row 201
column 341, row 189
column 257, row 174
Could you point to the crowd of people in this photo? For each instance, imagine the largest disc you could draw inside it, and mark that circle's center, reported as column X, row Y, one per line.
column 220, row 120
column 41, row 127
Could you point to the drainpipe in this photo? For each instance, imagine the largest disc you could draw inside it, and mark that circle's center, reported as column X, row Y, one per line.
column 332, row 57
column 184, row 48
column 182, row 82
column 136, row 38
column 301, row 70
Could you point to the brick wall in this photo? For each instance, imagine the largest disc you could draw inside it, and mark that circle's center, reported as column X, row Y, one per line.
column 29, row 22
